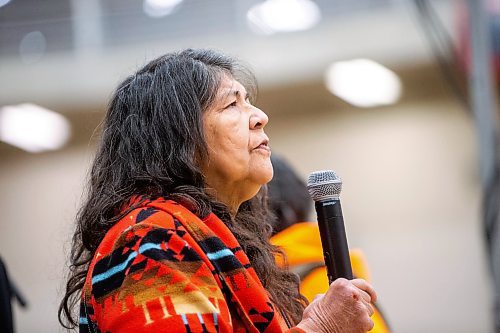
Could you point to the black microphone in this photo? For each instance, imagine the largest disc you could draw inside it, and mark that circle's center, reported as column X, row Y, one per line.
column 324, row 188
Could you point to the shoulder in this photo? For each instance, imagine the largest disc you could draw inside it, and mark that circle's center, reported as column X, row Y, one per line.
column 161, row 212
column 137, row 223
column 148, row 232
column 153, row 224
column 154, row 213
column 153, row 274
column 149, row 214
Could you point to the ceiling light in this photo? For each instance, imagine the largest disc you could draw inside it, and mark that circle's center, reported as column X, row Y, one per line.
column 32, row 47
column 363, row 83
column 4, row 2
column 273, row 16
column 159, row 8
column 33, row 128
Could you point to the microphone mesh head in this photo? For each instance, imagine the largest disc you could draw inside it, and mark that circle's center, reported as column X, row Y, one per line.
column 324, row 185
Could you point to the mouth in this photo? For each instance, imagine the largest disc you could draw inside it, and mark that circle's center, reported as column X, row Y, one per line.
column 264, row 145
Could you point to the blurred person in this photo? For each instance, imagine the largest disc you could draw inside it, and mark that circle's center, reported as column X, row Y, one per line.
column 8, row 292
column 291, row 203
column 6, row 319
column 173, row 235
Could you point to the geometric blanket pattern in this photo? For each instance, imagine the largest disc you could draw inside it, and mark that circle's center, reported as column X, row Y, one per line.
column 162, row 269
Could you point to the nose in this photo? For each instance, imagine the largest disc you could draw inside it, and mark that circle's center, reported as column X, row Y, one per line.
column 258, row 119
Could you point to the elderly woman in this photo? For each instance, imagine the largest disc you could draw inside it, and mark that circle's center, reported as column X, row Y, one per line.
column 173, row 235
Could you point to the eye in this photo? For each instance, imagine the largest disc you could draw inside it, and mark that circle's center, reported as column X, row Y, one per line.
column 232, row 104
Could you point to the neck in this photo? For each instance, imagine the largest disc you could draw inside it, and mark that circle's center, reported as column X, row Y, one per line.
column 232, row 204
column 232, row 201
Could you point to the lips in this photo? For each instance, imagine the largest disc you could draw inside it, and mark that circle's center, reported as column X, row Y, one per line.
column 264, row 144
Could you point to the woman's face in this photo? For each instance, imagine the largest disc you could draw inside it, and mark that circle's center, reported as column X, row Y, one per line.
column 238, row 149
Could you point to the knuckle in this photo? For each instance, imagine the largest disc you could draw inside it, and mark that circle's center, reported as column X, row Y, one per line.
column 341, row 282
column 359, row 281
column 354, row 293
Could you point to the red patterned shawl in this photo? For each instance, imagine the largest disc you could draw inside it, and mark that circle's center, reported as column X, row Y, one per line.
column 163, row 269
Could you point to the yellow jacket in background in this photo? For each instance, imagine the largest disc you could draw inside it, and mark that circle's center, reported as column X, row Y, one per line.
column 301, row 243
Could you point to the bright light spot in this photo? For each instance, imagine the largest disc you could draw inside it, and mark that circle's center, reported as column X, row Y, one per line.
column 4, row 2
column 363, row 83
column 159, row 8
column 33, row 128
column 283, row 15
column 32, row 47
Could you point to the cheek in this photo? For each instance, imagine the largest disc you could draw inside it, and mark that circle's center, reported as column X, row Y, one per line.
column 228, row 133
column 227, row 142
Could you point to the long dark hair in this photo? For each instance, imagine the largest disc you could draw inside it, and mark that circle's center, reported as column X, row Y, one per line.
column 152, row 139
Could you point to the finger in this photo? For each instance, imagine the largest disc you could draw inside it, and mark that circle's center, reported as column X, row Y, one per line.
column 365, row 296
column 369, row 308
column 365, row 286
column 369, row 324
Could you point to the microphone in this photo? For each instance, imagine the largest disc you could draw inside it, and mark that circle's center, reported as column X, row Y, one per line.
column 324, row 187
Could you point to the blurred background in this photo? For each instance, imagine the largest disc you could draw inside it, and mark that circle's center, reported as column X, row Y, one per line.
column 377, row 90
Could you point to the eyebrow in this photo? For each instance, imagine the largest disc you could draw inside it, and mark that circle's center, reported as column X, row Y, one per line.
column 237, row 93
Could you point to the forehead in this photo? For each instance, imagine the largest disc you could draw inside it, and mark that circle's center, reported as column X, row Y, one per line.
column 229, row 86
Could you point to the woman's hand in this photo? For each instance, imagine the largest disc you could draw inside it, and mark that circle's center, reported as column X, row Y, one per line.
column 345, row 308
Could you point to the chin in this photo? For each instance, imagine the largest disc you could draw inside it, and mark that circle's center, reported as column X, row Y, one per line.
column 266, row 175
column 261, row 173
column 269, row 176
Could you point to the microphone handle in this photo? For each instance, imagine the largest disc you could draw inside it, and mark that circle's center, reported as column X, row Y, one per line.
column 333, row 239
